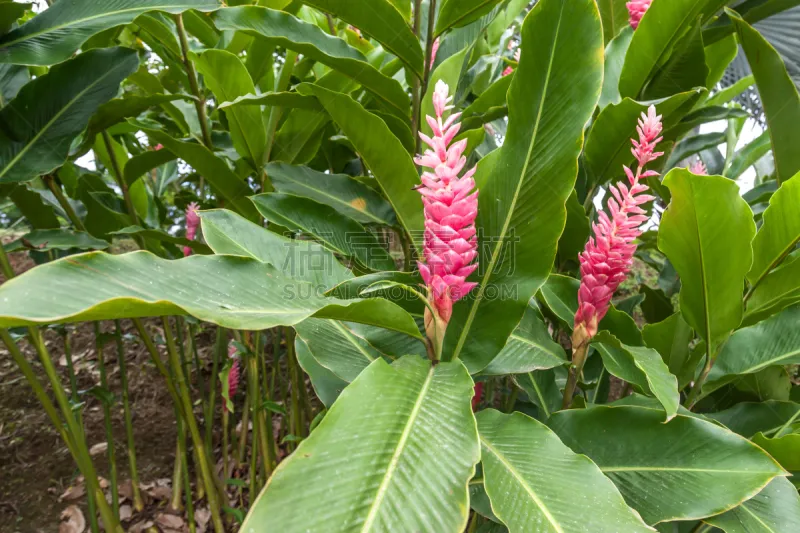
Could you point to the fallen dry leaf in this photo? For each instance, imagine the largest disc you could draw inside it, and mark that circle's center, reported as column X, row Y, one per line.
column 73, row 493
column 138, row 527
column 72, row 520
column 98, row 448
column 169, row 521
column 125, row 512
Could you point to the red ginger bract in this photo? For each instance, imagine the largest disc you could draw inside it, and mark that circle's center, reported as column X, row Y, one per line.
column 608, row 256
column 451, row 205
column 636, row 10
column 192, row 222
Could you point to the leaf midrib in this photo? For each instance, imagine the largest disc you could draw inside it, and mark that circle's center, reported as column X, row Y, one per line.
column 612, row 469
column 395, row 459
column 769, row 362
column 496, row 252
column 49, row 124
column 523, row 483
column 96, row 17
column 535, row 345
column 334, row 199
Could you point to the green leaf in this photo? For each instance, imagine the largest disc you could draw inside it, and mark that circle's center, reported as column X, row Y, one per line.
column 335, row 231
column 285, row 30
column 778, row 290
column 615, row 18
column 163, row 236
column 608, row 145
column 729, row 93
column 671, row 338
column 12, row 79
column 129, row 106
column 749, row 155
column 718, row 57
column 228, row 79
column 706, row 233
column 56, row 239
column 9, row 13
column 783, row 448
column 417, row 450
column 230, row 234
column 326, row 384
column 215, row 170
column 656, row 306
column 704, row 115
column 145, row 162
column 489, row 101
column 576, row 231
column 347, row 195
column 663, row 27
column 779, row 233
column 233, row 292
column 57, row 32
column 346, row 349
column 353, row 288
column 685, row 69
column 779, row 97
column 385, row 156
column 524, row 186
column 533, row 481
column 40, row 215
column 614, row 60
column 449, row 71
column 749, row 418
column 457, row 13
column 380, row 20
column 529, row 348
column 542, row 391
column 39, row 125
column 290, row 100
column 774, row 509
column 640, row 366
column 773, row 342
column 693, row 145
column 686, row 469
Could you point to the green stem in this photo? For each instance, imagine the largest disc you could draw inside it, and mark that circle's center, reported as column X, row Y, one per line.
column 176, row 502
column 275, row 113
column 782, row 431
column 240, row 454
column 82, row 456
column 271, row 453
column 575, row 369
column 55, row 188
column 258, row 407
column 416, row 91
column 219, row 354
column 199, row 100
column 187, row 484
column 123, row 185
column 188, row 414
column 107, row 421
column 201, row 385
column 297, row 413
column 138, row 502
column 698, row 385
column 225, row 446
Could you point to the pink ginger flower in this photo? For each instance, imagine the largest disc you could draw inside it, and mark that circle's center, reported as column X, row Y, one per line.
column 451, row 205
column 509, row 69
column 699, row 168
column 192, row 222
column 636, row 10
column 434, row 50
column 608, row 256
column 235, row 373
column 158, row 147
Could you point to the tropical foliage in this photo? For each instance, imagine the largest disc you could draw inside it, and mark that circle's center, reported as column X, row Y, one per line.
column 403, row 202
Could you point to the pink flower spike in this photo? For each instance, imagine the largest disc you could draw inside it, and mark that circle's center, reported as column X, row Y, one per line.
column 192, row 222
column 434, row 49
column 636, row 10
column 608, row 255
column 699, row 168
column 451, row 205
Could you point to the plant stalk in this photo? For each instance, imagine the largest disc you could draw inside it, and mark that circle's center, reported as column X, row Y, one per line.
column 219, row 354
column 107, row 422
column 55, row 188
column 199, row 100
column 138, row 502
column 580, row 350
column 698, row 385
column 416, row 91
column 123, row 185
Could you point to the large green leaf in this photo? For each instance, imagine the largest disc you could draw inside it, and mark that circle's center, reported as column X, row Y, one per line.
column 671, row 338
column 706, row 233
column 642, row 367
column 542, row 390
column 773, row 510
column 396, row 451
column 291, row 100
column 230, row 234
column 214, row 169
column 663, row 27
column 39, row 125
column 457, row 13
column 695, row 144
column 285, row 30
column 228, row 79
column 779, row 97
column 686, row 469
column 773, row 342
column 338, row 232
column 385, row 156
column 524, row 186
column 234, row 292
column 56, row 239
column 779, row 233
column 326, row 384
column 129, row 106
column 615, row 17
column 749, row 418
column 685, row 69
column 747, row 156
column 529, row 348
column 345, row 194
column 778, row 290
column 346, row 349
column 55, row 34
column 533, row 481
column 614, row 60
column 380, row 20
column 608, row 145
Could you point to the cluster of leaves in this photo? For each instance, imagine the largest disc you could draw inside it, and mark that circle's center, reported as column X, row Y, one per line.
column 289, row 119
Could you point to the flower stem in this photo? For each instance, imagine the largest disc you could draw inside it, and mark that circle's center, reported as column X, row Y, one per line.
column 578, row 360
column 55, row 188
column 138, row 502
column 123, row 185
column 107, row 421
column 698, row 385
column 220, row 351
column 199, row 100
